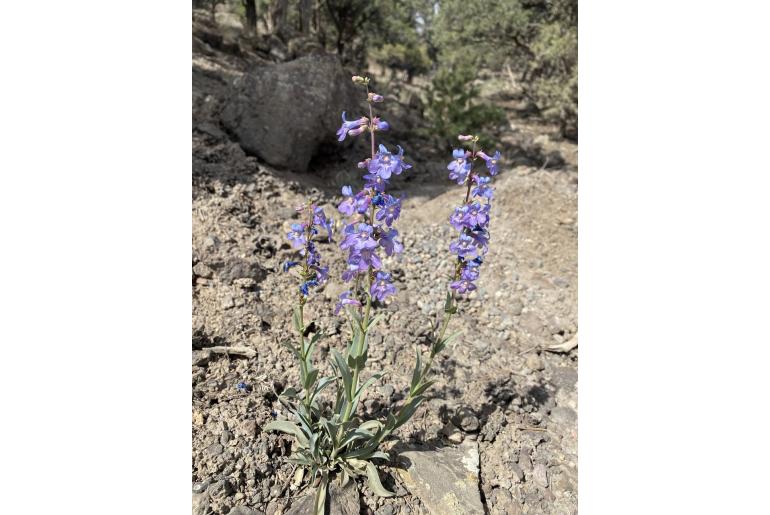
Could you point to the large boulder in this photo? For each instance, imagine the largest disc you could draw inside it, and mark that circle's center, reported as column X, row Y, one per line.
column 283, row 113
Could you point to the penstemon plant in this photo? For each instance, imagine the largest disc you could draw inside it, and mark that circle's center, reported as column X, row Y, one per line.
column 332, row 441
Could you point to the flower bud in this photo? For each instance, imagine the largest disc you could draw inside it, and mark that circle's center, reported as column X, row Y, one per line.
column 364, row 163
column 467, row 137
column 356, row 132
column 357, row 79
column 374, row 97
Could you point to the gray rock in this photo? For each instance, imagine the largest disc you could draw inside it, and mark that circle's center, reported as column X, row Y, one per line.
column 283, row 113
column 518, row 474
column 243, row 510
column 203, row 270
column 241, row 269
column 467, row 420
column 215, row 449
column 200, row 503
column 534, row 362
column 562, row 415
column 516, row 307
column 341, row 501
column 540, row 475
column 446, row 480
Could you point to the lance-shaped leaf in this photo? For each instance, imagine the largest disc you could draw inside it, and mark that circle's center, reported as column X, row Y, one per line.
column 421, row 389
column 347, row 378
column 284, row 426
column 322, row 383
column 310, row 379
column 443, row 343
column 319, row 505
column 374, row 481
column 416, row 374
column 296, row 319
column 293, row 350
column 408, row 410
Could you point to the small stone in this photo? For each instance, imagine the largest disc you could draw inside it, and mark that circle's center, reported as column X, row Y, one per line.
column 197, row 418
column 200, row 503
column 540, row 475
column 453, row 434
column 199, row 488
column 225, row 437
column 516, row 307
column 275, row 491
column 524, row 461
column 227, row 302
column 202, row 270
column 242, row 510
column 388, row 391
column 518, row 474
column 534, row 362
column 215, row 449
column 467, row 420
column 564, row 415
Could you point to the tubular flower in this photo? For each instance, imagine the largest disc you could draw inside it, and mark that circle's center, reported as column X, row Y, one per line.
column 352, row 128
column 459, row 167
column 490, row 161
column 382, row 287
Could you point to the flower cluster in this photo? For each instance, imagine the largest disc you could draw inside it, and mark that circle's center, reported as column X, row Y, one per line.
column 301, row 238
column 371, row 211
column 472, row 218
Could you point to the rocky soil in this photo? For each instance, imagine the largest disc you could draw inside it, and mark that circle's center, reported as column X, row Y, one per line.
column 501, row 393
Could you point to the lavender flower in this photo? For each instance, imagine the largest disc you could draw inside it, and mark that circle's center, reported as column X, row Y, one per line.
column 463, row 246
column 389, row 242
column 386, row 164
column 389, row 211
column 297, row 236
column 476, row 214
column 482, row 188
column 345, row 300
column 490, row 161
column 459, row 167
column 348, row 127
column 359, row 238
column 382, row 287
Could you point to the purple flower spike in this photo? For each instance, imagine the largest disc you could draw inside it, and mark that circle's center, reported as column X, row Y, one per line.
column 382, row 287
column 345, row 300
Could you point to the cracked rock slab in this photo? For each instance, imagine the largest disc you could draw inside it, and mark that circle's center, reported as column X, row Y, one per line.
column 445, row 479
column 340, row 501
